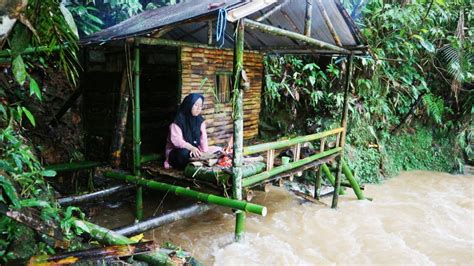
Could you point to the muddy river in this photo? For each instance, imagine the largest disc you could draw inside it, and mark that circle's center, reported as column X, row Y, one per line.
column 416, row 218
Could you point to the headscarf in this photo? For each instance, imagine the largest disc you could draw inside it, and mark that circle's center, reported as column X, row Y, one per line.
column 190, row 125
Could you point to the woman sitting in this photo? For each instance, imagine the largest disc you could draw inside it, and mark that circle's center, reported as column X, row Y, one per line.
column 187, row 135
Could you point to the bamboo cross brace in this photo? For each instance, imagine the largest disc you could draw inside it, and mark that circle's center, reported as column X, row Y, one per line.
column 293, row 35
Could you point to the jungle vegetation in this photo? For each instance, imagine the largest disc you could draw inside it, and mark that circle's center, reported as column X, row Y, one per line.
column 411, row 102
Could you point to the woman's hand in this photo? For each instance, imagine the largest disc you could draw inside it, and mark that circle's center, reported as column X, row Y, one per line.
column 195, row 152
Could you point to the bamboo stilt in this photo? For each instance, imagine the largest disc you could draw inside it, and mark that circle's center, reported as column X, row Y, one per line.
column 185, row 192
column 343, row 133
column 355, row 186
column 325, row 169
column 120, row 124
column 137, row 132
column 238, row 121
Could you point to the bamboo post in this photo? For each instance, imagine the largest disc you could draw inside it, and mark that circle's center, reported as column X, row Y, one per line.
column 328, row 22
column 325, row 169
column 185, row 192
column 238, row 119
column 319, row 173
column 308, row 17
column 270, row 159
column 209, row 32
column 137, row 132
column 343, row 133
column 121, row 122
column 293, row 35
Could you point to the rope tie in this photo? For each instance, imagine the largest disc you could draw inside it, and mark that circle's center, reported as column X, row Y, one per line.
column 221, row 26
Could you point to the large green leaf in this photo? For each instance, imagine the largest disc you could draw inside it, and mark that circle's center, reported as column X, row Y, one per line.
column 10, row 191
column 34, row 88
column 29, row 115
column 20, row 39
column 69, row 20
column 19, row 70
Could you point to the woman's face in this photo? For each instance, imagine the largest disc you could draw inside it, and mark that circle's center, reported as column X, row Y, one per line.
column 197, row 107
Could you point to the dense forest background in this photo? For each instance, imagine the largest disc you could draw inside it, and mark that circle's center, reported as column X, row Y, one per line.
column 411, row 100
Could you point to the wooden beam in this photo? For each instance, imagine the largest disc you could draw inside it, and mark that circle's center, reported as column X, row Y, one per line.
column 293, row 35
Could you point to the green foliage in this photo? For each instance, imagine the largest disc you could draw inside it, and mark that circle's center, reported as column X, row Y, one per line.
column 420, row 150
column 420, row 72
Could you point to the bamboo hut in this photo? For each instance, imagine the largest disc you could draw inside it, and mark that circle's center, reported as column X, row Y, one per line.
column 137, row 72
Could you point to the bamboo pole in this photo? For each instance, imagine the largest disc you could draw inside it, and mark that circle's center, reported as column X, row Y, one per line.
column 325, row 169
column 137, row 132
column 121, row 122
column 73, row 166
column 151, row 157
column 89, row 255
column 94, row 195
column 209, row 32
column 355, row 186
column 272, row 11
column 342, row 143
column 283, row 168
column 238, row 122
column 293, row 35
column 67, row 105
column 328, row 22
column 173, row 43
column 317, row 183
column 185, row 192
column 30, row 50
column 104, row 235
column 187, row 212
column 288, row 142
column 308, row 18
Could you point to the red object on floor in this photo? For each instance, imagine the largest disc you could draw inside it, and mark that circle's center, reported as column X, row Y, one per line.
column 224, row 161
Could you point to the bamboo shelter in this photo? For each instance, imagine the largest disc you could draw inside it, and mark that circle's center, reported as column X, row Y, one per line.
column 149, row 62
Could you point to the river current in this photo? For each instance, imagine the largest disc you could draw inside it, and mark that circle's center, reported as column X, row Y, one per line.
column 418, row 217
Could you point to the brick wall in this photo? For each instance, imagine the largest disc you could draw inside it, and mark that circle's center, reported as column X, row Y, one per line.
column 199, row 63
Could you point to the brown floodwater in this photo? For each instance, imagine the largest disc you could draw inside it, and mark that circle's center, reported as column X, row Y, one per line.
column 418, row 217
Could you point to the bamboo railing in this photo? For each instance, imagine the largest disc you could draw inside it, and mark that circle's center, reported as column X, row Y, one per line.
column 295, row 144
